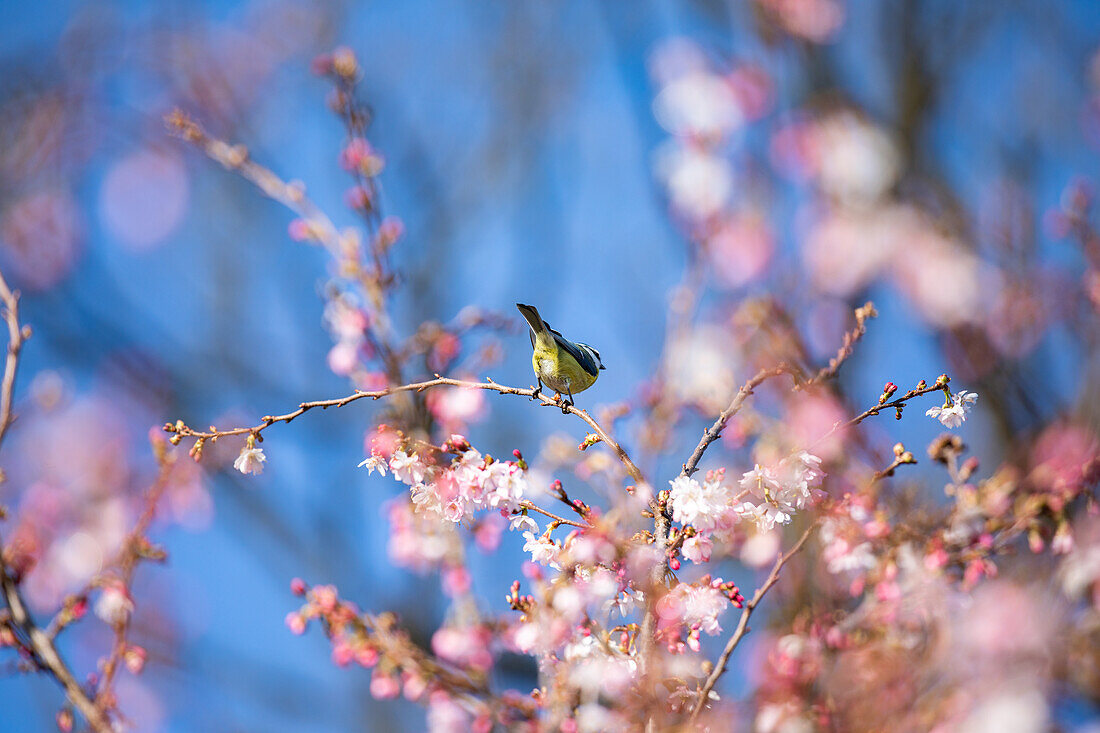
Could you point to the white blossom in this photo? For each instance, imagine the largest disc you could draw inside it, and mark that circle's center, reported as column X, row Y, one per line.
column 781, row 491
column 954, row 411
column 251, row 460
column 543, row 550
column 114, row 604
column 374, row 463
column 701, row 505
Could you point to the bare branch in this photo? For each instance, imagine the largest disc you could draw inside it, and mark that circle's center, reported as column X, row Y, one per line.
column 715, row 431
column 863, row 314
column 743, row 622
column 180, row 429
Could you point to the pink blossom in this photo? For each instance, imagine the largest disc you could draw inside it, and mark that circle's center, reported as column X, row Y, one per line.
column 698, row 548
column 468, row 646
column 457, row 406
column 343, row 357
column 456, row 581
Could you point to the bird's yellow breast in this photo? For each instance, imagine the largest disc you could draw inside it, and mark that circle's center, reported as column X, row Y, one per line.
column 558, row 369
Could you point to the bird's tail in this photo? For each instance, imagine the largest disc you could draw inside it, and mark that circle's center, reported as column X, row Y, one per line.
column 531, row 314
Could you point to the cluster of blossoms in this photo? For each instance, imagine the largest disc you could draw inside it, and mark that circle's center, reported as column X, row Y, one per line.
column 470, row 483
column 781, row 490
column 692, row 608
column 711, row 506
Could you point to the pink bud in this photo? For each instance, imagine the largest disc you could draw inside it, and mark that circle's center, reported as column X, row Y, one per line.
column 342, row 654
column 384, row 686
column 298, row 587
column 134, row 656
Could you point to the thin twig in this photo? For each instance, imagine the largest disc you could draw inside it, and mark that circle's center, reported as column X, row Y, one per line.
column 41, row 644
column 743, row 622
column 863, row 314
column 558, row 520
column 715, row 431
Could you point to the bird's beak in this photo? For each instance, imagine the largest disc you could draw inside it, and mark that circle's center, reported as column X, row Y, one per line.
column 602, row 367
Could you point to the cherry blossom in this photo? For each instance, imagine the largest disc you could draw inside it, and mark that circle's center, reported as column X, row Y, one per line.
column 955, row 409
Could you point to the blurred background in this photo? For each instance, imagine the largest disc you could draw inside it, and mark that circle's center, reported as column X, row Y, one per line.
column 935, row 157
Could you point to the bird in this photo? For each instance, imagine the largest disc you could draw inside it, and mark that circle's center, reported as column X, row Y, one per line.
column 565, row 366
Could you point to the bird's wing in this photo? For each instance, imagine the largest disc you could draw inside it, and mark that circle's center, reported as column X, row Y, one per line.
column 586, row 361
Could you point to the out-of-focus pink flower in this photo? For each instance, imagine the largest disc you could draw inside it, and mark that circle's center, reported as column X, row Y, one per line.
column 488, row 533
column 40, row 237
column 858, row 161
column 699, row 183
column 456, row 407
column 741, row 248
column 342, row 653
column 754, row 89
column 760, row 549
column 944, row 280
column 144, row 197
column 359, row 156
column 456, row 581
column 467, row 646
column 358, row 197
column 698, row 104
column 845, row 250
column 813, row 20
column 296, row 623
column 445, row 715
column 813, row 415
column 114, row 605
column 343, row 357
column 444, row 350
column 1062, row 454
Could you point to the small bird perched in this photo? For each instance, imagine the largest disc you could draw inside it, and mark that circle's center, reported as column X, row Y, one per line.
column 566, row 367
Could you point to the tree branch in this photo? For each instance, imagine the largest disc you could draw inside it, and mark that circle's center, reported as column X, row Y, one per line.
column 715, row 431
column 180, row 429
column 743, row 622
column 39, row 641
